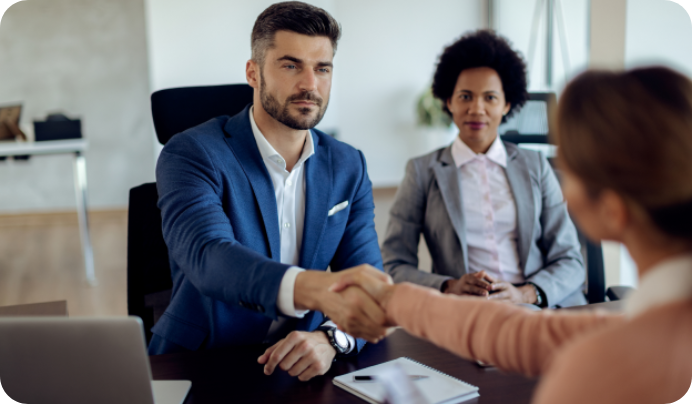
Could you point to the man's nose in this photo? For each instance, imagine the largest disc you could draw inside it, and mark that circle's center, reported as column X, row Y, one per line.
column 308, row 81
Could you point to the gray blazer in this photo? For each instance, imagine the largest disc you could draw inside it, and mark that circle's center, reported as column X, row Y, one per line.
column 429, row 202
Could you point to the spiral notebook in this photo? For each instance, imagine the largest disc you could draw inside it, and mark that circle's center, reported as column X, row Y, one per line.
column 437, row 388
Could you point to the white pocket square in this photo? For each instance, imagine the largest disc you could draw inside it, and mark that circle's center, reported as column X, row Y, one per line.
column 338, row 207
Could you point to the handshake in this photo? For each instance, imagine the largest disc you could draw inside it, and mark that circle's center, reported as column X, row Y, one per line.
column 354, row 299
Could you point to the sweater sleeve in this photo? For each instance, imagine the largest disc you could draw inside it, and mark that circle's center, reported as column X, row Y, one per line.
column 510, row 337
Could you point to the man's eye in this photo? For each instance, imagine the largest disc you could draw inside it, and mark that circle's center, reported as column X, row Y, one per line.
column 290, row 66
column 324, row 70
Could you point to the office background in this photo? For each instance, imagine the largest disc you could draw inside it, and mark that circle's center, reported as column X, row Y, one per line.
column 99, row 60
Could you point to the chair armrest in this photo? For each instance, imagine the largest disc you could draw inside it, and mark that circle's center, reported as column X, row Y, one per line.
column 618, row 292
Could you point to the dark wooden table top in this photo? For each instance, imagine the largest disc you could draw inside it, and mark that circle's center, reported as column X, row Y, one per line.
column 614, row 306
column 233, row 374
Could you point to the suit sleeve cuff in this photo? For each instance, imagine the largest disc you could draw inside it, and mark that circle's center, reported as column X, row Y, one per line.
column 351, row 340
column 285, row 301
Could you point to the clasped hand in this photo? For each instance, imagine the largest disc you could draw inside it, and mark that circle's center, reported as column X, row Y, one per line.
column 484, row 285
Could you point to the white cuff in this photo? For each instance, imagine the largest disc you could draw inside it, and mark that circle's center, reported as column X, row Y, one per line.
column 284, row 301
column 351, row 340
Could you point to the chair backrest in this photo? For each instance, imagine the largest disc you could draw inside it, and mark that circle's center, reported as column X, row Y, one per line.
column 531, row 126
column 148, row 269
column 177, row 109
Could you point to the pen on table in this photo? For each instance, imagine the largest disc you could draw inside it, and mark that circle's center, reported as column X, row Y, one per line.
column 373, row 378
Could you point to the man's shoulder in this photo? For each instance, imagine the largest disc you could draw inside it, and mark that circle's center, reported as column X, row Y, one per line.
column 209, row 131
column 338, row 149
column 215, row 130
column 331, row 142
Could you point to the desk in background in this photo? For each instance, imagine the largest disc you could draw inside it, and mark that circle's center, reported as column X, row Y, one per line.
column 75, row 147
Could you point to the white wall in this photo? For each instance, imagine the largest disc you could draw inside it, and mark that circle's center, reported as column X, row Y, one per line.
column 385, row 58
column 514, row 19
column 88, row 59
column 658, row 32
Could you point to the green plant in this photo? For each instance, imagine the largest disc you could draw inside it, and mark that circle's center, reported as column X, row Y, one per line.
column 430, row 112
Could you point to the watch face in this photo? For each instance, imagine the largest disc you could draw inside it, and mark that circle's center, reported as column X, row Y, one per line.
column 340, row 338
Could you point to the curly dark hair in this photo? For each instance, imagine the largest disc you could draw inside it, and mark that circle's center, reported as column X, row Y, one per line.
column 482, row 48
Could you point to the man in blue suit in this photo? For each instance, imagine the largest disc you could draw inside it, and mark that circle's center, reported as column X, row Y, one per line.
column 257, row 206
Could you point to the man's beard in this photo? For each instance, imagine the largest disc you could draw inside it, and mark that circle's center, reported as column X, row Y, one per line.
column 282, row 114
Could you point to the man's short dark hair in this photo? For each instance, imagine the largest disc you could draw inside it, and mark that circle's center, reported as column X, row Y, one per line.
column 294, row 16
column 482, row 48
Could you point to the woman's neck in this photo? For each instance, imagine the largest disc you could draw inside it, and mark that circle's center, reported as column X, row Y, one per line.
column 647, row 252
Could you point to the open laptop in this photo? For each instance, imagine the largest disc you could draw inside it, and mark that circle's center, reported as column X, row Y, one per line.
column 80, row 360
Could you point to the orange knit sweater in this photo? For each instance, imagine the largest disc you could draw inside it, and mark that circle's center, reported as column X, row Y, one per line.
column 583, row 357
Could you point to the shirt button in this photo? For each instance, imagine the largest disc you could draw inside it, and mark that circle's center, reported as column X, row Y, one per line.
column 287, row 225
column 289, row 183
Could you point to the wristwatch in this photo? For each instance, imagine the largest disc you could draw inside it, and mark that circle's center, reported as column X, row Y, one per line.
column 539, row 294
column 337, row 339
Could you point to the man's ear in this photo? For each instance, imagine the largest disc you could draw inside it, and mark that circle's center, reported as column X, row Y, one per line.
column 252, row 73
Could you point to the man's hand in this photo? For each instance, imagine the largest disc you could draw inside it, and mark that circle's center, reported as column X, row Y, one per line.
column 352, row 309
column 477, row 284
column 380, row 290
column 302, row 354
column 507, row 292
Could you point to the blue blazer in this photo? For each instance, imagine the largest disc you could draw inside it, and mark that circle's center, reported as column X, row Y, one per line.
column 221, row 227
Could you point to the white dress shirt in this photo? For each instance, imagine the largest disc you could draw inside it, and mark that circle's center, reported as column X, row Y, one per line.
column 667, row 282
column 289, row 190
column 490, row 212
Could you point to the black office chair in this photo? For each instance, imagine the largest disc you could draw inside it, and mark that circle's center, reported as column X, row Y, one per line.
column 174, row 110
column 535, row 117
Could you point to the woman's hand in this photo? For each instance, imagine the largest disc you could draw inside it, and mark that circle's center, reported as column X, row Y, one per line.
column 505, row 291
column 476, row 284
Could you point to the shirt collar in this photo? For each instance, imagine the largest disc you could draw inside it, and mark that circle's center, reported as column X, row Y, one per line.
column 462, row 154
column 665, row 283
column 268, row 152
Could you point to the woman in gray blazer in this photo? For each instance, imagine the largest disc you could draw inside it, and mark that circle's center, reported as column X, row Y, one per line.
column 492, row 214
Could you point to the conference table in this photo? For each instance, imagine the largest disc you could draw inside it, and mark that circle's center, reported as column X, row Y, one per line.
column 233, row 375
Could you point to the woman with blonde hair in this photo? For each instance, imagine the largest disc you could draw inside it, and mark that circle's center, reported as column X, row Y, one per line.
column 625, row 148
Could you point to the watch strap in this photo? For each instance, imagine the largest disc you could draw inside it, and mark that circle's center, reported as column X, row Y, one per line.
column 330, row 331
column 540, row 296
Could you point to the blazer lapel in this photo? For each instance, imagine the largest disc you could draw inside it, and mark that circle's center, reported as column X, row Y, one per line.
column 449, row 184
column 519, row 180
column 241, row 140
column 318, row 189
